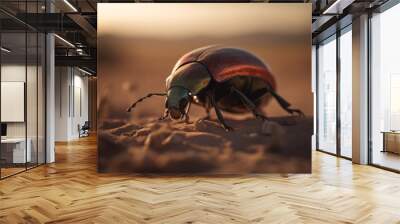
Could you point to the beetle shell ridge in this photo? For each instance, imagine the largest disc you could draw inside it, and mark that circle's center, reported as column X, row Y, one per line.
column 224, row 63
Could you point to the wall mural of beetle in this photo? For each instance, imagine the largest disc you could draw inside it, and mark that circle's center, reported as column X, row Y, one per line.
column 224, row 78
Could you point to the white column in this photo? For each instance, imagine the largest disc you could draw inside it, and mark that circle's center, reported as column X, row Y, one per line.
column 360, row 90
column 50, row 99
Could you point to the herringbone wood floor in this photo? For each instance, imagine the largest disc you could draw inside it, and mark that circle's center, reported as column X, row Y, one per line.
column 71, row 191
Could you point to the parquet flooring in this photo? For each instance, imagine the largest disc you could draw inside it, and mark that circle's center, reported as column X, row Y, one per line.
column 71, row 191
column 11, row 170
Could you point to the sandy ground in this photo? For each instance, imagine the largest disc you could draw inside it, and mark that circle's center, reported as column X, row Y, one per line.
column 282, row 145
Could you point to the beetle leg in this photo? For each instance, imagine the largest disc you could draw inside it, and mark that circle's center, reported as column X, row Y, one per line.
column 164, row 116
column 295, row 111
column 207, row 117
column 207, row 108
column 219, row 115
column 249, row 104
column 187, row 121
column 143, row 98
column 284, row 104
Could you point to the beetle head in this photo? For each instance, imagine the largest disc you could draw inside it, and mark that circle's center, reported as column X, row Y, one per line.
column 178, row 99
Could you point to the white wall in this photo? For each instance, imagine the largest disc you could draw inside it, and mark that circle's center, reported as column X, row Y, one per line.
column 71, row 102
column 61, row 103
column 12, row 73
column 80, row 111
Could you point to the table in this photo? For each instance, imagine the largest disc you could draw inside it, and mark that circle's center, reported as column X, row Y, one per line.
column 13, row 150
column 391, row 141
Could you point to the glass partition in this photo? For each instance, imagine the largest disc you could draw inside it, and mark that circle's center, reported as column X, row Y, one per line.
column 14, row 153
column 41, row 96
column 33, row 73
column 32, row 95
column 22, row 88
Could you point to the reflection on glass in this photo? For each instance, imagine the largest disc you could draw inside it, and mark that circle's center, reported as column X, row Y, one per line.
column 385, row 84
column 327, row 96
column 346, row 94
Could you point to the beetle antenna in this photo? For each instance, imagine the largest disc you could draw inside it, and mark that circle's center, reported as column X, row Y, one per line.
column 143, row 98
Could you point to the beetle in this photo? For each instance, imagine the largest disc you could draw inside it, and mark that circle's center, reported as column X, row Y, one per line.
column 224, row 78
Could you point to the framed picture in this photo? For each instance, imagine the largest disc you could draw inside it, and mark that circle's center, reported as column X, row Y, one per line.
column 211, row 88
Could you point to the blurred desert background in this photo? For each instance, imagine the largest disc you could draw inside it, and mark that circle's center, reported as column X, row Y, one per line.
column 137, row 49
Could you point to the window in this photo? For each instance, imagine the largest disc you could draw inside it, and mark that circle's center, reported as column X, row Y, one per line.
column 335, row 74
column 385, row 89
column 346, row 92
column 327, row 95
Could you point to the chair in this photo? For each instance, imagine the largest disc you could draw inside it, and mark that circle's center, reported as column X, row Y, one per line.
column 84, row 130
